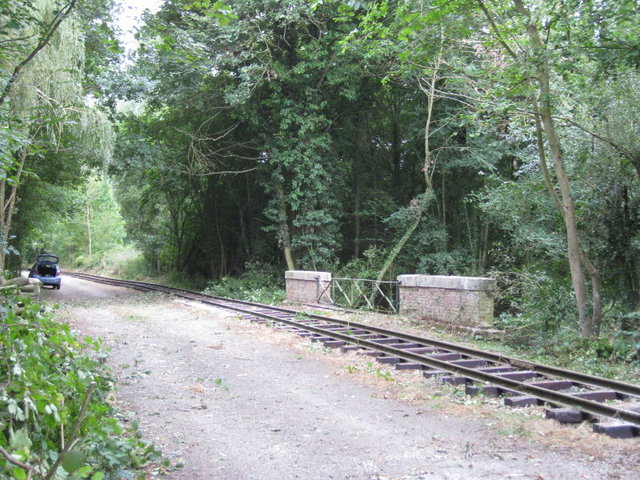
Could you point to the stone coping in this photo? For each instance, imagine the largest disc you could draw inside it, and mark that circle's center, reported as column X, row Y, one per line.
column 448, row 282
column 307, row 275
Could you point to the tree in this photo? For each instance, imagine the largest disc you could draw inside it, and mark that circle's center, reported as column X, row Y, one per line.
column 424, row 55
column 539, row 73
column 308, row 133
column 518, row 70
column 271, row 86
column 47, row 30
column 43, row 101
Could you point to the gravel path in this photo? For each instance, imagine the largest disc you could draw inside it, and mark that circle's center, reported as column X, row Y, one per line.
column 225, row 399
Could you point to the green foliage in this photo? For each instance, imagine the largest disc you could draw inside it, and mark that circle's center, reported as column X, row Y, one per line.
column 47, row 373
column 602, row 356
column 624, row 337
column 260, row 283
column 381, row 373
column 265, row 127
column 126, row 262
column 82, row 225
column 523, row 210
column 101, row 44
column 534, row 298
column 367, row 266
column 222, row 383
column 50, row 134
column 539, row 317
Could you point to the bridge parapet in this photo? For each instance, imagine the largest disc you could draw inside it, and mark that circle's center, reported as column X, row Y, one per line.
column 306, row 286
column 455, row 300
column 465, row 301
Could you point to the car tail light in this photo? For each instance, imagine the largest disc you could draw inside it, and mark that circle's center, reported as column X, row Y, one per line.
column 58, row 273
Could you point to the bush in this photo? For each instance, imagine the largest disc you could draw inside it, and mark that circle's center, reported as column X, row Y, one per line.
column 367, row 266
column 534, row 300
column 625, row 337
column 53, row 386
column 260, row 283
column 117, row 261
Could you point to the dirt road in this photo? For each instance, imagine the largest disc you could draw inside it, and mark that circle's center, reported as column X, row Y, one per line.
column 225, row 399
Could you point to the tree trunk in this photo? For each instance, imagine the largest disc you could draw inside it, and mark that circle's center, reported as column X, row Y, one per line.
column 636, row 164
column 283, row 227
column 400, row 245
column 443, row 200
column 543, row 108
column 427, row 170
column 89, row 235
column 3, row 233
column 223, row 254
column 396, row 155
column 484, row 248
column 356, row 224
column 11, row 201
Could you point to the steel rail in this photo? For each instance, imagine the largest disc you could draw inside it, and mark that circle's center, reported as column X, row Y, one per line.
column 590, row 380
column 551, row 396
column 588, row 406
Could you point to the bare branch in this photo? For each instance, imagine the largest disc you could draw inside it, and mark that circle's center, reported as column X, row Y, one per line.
column 73, row 437
column 10, row 459
column 228, row 172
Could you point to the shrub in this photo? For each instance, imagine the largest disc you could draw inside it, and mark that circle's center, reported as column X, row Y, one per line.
column 534, row 300
column 367, row 266
column 625, row 337
column 260, row 283
column 54, row 387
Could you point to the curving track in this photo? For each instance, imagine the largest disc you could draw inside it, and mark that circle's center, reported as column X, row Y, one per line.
column 571, row 397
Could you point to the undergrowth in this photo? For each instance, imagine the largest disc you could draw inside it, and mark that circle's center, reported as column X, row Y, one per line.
column 259, row 283
column 538, row 315
column 55, row 419
column 615, row 354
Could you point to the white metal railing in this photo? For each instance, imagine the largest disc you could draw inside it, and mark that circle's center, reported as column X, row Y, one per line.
column 361, row 293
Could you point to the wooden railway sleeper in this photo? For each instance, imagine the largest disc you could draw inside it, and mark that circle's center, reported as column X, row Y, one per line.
column 586, row 402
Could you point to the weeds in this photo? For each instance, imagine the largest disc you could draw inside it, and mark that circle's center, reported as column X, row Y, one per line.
column 370, row 368
column 258, row 284
column 221, row 383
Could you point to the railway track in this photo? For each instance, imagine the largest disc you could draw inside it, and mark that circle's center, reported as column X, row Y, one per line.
column 612, row 407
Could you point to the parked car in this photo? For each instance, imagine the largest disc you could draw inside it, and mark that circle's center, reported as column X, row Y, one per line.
column 46, row 270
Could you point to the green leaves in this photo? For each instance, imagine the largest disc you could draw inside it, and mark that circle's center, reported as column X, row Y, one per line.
column 36, row 405
column 217, row 10
column 19, row 473
column 73, row 460
column 19, row 440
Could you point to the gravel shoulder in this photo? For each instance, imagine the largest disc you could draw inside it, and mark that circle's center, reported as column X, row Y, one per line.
column 223, row 398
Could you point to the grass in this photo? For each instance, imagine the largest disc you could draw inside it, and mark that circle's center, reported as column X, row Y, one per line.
column 562, row 349
column 566, row 351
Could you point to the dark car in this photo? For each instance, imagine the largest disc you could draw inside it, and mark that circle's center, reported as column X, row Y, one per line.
column 46, row 270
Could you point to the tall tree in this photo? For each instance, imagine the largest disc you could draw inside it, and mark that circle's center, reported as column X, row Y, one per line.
column 43, row 99
column 536, row 61
column 283, row 85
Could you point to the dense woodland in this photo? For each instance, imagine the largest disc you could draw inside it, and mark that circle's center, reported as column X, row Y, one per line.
column 468, row 137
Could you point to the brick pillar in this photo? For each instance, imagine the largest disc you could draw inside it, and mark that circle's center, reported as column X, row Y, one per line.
column 306, row 286
column 466, row 301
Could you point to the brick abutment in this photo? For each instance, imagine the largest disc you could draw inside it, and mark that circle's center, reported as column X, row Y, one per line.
column 457, row 300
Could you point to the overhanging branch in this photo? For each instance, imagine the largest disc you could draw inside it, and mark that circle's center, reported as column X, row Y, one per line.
column 44, row 41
